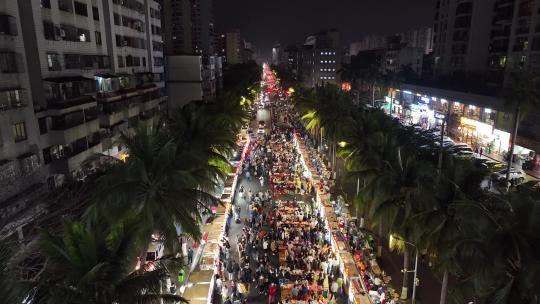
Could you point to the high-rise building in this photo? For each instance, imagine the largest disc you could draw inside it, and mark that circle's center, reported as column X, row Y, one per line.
column 249, row 52
column 190, row 49
column 416, row 38
column 188, row 27
column 74, row 74
column 419, row 38
column 486, row 38
column 234, row 45
column 321, row 58
column 463, row 34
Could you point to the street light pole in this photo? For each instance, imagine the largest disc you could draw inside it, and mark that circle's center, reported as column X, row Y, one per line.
column 413, row 298
column 414, row 279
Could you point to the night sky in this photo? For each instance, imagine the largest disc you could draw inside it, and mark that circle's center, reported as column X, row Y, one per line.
column 265, row 22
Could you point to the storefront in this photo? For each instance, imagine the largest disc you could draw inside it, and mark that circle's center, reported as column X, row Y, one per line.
column 475, row 133
column 422, row 115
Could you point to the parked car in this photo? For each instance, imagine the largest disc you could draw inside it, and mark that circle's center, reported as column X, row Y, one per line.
column 517, row 176
column 464, row 154
column 457, row 148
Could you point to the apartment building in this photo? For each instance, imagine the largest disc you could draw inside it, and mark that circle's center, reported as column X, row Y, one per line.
column 321, row 58
column 83, row 71
column 487, row 38
column 190, row 46
column 234, row 44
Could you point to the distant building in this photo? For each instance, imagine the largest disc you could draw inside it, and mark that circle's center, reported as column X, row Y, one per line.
column 467, row 33
column 321, row 58
column 372, row 42
column 419, row 38
column 395, row 60
column 234, row 45
column 190, row 46
column 249, row 52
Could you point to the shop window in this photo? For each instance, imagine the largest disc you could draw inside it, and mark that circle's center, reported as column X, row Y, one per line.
column 80, row 9
column 8, row 62
column 95, row 13
column 53, row 62
column 19, row 131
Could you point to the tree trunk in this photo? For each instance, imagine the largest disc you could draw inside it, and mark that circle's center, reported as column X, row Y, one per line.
column 512, row 145
column 379, row 241
column 444, row 288
column 405, row 286
column 373, row 94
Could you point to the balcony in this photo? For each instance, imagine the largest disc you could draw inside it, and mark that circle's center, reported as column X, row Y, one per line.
column 75, row 153
column 61, row 137
column 67, row 92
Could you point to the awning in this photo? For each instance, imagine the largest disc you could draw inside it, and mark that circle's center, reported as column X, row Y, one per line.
column 67, row 79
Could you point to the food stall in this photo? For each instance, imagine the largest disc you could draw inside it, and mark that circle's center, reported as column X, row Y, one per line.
column 360, row 274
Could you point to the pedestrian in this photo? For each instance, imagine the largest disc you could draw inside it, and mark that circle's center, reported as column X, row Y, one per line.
column 334, row 288
column 190, row 255
column 340, row 285
column 261, row 179
column 230, row 269
column 219, row 284
column 272, row 291
column 236, row 269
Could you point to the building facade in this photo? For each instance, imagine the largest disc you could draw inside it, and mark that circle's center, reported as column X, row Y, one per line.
column 190, row 47
column 480, row 121
column 234, row 45
column 321, row 58
column 487, row 38
column 83, row 72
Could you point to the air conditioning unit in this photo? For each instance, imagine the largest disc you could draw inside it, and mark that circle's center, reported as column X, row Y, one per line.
column 62, row 33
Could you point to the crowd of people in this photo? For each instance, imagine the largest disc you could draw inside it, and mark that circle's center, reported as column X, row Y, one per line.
column 284, row 251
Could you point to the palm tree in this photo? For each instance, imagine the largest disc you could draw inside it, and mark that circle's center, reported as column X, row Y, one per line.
column 521, row 95
column 330, row 113
column 94, row 263
column 502, row 257
column 160, row 184
column 438, row 229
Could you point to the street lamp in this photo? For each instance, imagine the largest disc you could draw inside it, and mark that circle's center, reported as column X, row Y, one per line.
column 404, row 271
